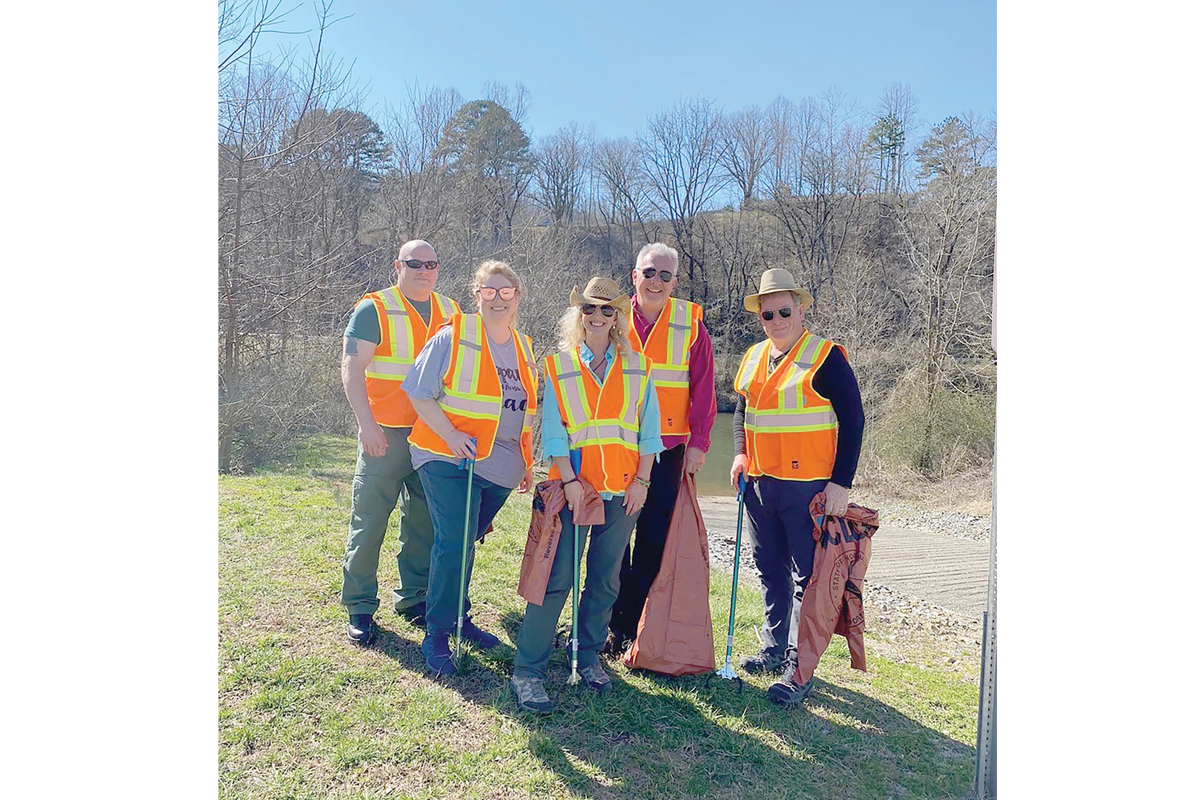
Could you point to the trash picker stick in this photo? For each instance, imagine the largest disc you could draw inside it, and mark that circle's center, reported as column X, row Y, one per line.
column 727, row 670
column 469, row 465
column 575, row 463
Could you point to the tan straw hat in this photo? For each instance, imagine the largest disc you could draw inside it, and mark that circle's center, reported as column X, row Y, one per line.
column 601, row 292
column 777, row 280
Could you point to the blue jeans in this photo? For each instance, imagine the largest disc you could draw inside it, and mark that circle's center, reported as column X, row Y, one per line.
column 781, row 533
column 608, row 543
column 446, row 494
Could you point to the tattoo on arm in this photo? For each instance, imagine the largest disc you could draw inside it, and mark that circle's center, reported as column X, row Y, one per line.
column 351, row 346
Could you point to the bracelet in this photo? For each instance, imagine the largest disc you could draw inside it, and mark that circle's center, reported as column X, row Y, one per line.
column 636, row 479
column 568, row 483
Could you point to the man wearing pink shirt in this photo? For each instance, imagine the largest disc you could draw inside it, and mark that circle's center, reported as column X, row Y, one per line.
column 671, row 333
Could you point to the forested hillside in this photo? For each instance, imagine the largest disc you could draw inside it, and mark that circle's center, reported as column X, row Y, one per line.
column 888, row 221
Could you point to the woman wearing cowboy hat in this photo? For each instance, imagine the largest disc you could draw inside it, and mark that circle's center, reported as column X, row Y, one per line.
column 600, row 402
column 797, row 431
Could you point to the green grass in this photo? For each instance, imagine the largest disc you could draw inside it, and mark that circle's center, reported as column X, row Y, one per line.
column 305, row 714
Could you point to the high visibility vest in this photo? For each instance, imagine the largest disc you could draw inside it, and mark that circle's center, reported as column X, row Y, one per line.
column 402, row 334
column 668, row 346
column 791, row 431
column 602, row 422
column 471, row 394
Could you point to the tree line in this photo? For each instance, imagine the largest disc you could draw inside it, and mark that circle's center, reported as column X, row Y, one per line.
column 890, row 226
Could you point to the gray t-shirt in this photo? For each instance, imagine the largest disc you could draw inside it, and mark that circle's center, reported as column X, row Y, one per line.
column 504, row 466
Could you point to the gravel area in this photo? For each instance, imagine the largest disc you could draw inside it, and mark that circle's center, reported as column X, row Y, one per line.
column 898, row 616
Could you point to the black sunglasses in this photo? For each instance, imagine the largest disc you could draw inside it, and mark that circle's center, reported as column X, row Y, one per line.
column 663, row 275
column 770, row 315
column 413, row 263
column 588, row 309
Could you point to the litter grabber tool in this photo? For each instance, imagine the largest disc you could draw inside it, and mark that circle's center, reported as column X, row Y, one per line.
column 726, row 671
column 575, row 463
column 469, row 465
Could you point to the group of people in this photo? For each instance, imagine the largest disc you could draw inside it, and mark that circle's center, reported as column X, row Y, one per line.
column 628, row 408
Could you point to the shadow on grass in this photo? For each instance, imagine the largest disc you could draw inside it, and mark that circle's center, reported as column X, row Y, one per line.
column 662, row 736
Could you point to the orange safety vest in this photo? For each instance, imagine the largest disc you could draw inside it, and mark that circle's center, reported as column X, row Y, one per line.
column 602, row 422
column 668, row 347
column 791, row 431
column 471, row 394
column 402, row 334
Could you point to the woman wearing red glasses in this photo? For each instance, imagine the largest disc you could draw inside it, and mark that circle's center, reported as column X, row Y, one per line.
column 600, row 404
column 474, row 387
column 797, row 431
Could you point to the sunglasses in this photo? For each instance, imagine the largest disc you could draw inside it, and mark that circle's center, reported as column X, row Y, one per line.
column 488, row 293
column 770, row 315
column 413, row 263
column 588, row 309
column 663, row 275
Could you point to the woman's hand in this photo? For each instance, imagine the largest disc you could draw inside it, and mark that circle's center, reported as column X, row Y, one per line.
column 461, row 444
column 526, row 482
column 574, row 493
column 635, row 498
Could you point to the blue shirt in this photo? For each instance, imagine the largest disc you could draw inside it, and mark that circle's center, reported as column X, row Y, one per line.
column 554, row 430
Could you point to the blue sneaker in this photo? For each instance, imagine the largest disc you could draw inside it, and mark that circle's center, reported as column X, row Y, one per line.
column 438, row 658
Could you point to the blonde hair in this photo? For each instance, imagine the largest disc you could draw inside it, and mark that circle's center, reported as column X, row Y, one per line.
column 492, row 267
column 570, row 332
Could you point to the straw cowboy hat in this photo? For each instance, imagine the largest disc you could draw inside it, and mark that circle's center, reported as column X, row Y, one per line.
column 601, row 292
column 777, row 280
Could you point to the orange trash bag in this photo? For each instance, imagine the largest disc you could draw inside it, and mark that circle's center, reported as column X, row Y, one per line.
column 675, row 633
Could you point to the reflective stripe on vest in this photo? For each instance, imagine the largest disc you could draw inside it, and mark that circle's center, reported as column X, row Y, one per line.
column 791, row 431
column 603, row 422
column 402, row 334
column 472, row 397
column 668, row 346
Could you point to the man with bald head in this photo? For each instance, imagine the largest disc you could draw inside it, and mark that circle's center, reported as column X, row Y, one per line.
column 386, row 332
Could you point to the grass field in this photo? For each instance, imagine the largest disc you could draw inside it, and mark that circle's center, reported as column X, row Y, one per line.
column 305, row 714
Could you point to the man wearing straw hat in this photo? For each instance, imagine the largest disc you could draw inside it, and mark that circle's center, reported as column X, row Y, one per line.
column 797, row 432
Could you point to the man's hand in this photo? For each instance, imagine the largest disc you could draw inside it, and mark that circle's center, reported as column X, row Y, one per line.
column 635, row 498
column 693, row 460
column 526, row 482
column 837, row 498
column 741, row 463
column 374, row 443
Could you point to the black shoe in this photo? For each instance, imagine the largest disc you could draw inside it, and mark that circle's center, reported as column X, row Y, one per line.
column 763, row 661
column 477, row 636
column 616, row 644
column 361, row 629
column 438, row 658
column 789, row 694
column 414, row 614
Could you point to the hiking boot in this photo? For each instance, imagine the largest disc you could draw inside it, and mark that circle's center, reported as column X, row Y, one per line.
column 789, row 694
column 789, row 666
column 763, row 661
column 438, row 658
column 414, row 614
column 531, row 694
column 361, row 629
column 616, row 644
column 596, row 678
column 478, row 637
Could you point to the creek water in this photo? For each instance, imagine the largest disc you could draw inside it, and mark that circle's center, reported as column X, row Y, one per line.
column 713, row 478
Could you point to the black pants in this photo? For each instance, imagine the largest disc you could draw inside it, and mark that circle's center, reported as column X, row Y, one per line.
column 643, row 557
column 781, row 534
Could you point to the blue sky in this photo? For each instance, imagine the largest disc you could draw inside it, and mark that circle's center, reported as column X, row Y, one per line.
column 616, row 64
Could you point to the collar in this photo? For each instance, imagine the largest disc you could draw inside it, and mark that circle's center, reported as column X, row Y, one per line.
column 586, row 355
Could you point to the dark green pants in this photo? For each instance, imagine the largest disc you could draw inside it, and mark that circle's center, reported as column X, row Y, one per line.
column 381, row 484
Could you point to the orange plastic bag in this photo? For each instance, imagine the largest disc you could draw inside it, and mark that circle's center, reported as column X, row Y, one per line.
column 675, row 633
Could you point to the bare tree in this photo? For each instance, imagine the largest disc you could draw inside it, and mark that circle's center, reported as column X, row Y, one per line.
column 747, row 148
column 621, row 200
column 681, row 155
column 561, row 167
